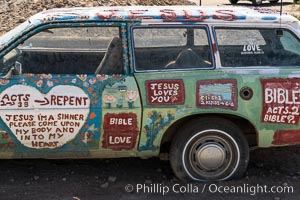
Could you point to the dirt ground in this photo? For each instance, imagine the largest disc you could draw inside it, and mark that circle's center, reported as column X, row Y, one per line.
column 109, row 178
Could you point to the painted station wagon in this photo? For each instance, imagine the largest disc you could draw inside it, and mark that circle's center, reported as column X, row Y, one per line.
column 258, row 2
column 204, row 84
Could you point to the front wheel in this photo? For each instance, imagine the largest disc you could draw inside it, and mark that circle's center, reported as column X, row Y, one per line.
column 256, row 2
column 209, row 149
column 233, row 1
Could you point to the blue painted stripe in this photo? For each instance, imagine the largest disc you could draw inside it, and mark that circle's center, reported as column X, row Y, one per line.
column 269, row 18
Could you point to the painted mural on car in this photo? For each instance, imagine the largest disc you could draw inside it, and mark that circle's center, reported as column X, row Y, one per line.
column 139, row 81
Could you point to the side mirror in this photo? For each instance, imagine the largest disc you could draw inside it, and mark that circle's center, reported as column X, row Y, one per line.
column 13, row 71
column 8, row 57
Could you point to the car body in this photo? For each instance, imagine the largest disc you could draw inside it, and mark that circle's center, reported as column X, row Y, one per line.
column 258, row 2
column 203, row 84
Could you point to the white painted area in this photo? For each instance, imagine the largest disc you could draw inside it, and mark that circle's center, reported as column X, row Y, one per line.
column 44, row 120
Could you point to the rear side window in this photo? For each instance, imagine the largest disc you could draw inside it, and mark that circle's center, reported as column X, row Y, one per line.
column 160, row 48
column 242, row 47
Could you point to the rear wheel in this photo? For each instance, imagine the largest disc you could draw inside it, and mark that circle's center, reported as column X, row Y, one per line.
column 233, row 1
column 209, row 149
column 256, row 2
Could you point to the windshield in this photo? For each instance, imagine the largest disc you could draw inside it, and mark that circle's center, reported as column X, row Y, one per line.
column 13, row 33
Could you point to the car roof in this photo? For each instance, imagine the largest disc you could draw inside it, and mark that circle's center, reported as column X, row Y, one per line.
column 159, row 14
column 152, row 15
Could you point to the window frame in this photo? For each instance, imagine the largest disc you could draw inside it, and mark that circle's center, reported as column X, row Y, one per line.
column 166, row 25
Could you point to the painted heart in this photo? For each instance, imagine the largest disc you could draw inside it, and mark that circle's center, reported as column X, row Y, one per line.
column 44, row 120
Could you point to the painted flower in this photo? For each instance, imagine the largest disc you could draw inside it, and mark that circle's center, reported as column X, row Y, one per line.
column 101, row 77
column 149, row 114
column 86, row 136
column 74, row 80
column 50, row 83
column 39, row 83
column 43, row 76
column 92, row 81
column 49, row 76
column 85, row 84
column 82, row 77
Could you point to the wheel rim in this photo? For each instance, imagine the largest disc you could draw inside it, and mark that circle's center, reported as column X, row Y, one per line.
column 211, row 155
column 208, row 156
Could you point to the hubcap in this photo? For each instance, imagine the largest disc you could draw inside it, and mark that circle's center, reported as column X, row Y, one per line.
column 210, row 156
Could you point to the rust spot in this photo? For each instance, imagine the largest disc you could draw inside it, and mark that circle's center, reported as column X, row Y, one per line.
column 286, row 137
column 214, row 47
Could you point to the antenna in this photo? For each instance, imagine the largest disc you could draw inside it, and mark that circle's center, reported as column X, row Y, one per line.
column 280, row 8
column 279, row 31
column 200, row 2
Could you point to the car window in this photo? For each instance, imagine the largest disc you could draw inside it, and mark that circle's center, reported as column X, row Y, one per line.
column 290, row 42
column 160, row 37
column 232, row 37
column 73, row 38
column 69, row 50
column 160, row 48
column 242, row 47
column 200, row 37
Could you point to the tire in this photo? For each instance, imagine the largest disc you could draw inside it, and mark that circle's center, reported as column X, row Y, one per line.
column 233, row 1
column 256, row 2
column 274, row 1
column 209, row 149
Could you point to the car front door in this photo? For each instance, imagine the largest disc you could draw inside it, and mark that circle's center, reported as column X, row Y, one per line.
column 66, row 92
